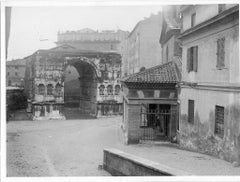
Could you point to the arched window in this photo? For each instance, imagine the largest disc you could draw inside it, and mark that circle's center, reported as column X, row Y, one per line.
column 41, row 89
column 49, row 89
column 101, row 90
column 117, row 89
column 109, row 89
column 58, row 89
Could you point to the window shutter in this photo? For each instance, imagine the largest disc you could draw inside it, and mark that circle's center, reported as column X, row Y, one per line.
column 220, row 53
column 195, row 58
column 188, row 60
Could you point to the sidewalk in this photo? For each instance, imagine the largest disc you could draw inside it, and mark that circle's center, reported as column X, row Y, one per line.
column 173, row 156
column 191, row 162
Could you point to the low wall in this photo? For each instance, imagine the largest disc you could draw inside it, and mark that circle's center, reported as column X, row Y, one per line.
column 119, row 163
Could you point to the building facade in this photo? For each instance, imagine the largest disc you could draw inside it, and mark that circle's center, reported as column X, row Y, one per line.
column 99, row 85
column 88, row 40
column 171, row 27
column 15, row 71
column 151, row 104
column 210, row 87
column 144, row 50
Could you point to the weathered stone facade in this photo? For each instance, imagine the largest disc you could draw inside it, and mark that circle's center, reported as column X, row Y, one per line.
column 44, row 85
column 208, row 84
column 45, row 77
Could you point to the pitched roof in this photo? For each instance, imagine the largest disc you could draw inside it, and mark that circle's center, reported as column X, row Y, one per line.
column 166, row 73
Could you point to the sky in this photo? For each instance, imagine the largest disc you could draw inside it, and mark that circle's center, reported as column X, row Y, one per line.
column 34, row 28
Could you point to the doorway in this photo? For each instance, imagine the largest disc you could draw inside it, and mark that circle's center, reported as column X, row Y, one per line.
column 155, row 122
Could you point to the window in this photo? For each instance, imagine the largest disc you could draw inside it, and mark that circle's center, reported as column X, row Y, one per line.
column 111, row 47
column 220, row 53
column 117, row 89
column 193, row 20
column 148, row 93
column 58, row 90
column 8, row 73
column 109, row 89
column 16, row 73
column 41, row 89
column 221, row 8
column 49, row 89
column 219, row 121
column 191, row 111
column 192, row 59
column 101, row 90
column 16, row 67
column 167, row 54
column 9, row 82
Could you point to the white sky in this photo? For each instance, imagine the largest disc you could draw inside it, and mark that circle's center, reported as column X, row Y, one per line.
column 31, row 24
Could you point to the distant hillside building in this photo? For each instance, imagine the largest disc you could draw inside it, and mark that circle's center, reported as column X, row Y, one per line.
column 143, row 45
column 15, row 71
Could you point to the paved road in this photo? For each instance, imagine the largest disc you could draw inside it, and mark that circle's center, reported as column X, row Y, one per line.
column 75, row 148
column 60, row 148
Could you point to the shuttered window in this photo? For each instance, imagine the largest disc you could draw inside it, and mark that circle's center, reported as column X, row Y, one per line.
column 193, row 20
column 220, row 53
column 192, row 59
column 219, row 121
column 191, row 111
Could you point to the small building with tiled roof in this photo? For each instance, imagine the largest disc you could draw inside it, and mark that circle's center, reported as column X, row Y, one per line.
column 151, row 104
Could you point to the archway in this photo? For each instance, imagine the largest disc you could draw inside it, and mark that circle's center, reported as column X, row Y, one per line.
column 81, row 89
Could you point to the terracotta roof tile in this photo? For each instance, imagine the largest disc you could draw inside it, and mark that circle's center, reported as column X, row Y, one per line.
column 166, row 73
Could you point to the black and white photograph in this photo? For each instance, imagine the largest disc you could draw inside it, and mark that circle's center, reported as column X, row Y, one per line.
column 132, row 88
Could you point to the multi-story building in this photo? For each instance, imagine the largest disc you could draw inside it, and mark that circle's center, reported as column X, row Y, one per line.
column 15, row 71
column 171, row 26
column 210, row 88
column 144, row 50
column 88, row 39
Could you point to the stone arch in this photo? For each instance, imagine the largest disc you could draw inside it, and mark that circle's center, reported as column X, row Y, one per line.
column 49, row 89
column 41, row 89
column 110, row 90
column 101, row 89
column 117, row 89
column 58, row 89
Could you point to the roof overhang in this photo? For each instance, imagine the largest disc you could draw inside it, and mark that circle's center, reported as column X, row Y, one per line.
column 213, row 20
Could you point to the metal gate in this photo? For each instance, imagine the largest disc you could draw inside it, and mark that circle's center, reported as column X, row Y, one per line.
column 155, row 124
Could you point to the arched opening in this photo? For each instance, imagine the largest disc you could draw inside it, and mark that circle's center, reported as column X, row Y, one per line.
column 71, row 87
column 41, row 89
column 101, row 90
column 117, row 89
column 80, row 87
column 110, row 90
column 49, row 89
column 58, row 90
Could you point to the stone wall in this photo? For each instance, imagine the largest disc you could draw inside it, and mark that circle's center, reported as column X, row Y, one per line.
column 200, row 136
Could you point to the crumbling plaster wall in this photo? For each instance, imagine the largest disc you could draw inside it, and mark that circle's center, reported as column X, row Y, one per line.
column 200, row 136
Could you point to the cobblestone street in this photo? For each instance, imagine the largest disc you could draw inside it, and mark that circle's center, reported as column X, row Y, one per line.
column 75, row 148
column 60, row 148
